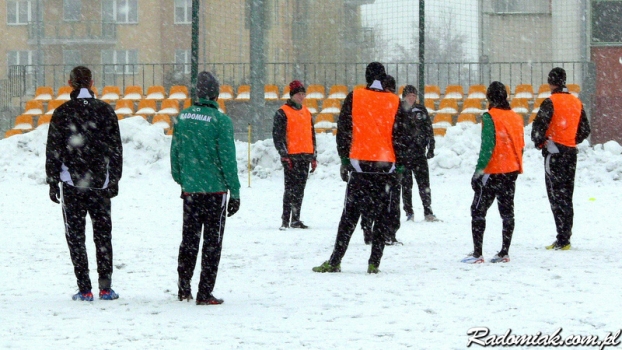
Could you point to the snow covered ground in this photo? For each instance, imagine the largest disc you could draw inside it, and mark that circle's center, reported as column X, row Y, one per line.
column 424, row 298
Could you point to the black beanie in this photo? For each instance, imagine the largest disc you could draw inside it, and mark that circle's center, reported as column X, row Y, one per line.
column 497, row 95
column 557, row 77
column 409, row 89
column 207, row 86
column 375, row 71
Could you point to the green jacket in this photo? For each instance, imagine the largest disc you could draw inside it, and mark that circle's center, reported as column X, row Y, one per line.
column 203, row 151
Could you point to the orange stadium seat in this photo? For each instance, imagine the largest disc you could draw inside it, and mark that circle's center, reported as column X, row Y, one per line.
column 339, row 92
column 455, row 92
column 520, row 105
column 331, row 105
column 324, row 122
column 44, row 93
column 432, row 92
column 64, row 92
column 359, row 86
column 271, row 92
column 544, row 91
column 52, row 105
column 477, row 92
column 34, row 107
column 467, row 118
column 523, row 91
column 574, row 89
column 23, row 122
column 133, row 92
column 429, row 105
column 226, row 92
column 146, row 107
column 442, row 121
column 448, row 105
column 285, row 95
column 44, row 119
column 12, row 132
column 472, row 105
column 111, row 93
column 155, row 92
column 169, row 106
column 179, row 92
column 311, row 105
column 536, row 105
column 222, row 107
column 244, row 93
column 162, row 120
column 317, row 92
column 124, row 107
column 532, row 116
column 188, row 103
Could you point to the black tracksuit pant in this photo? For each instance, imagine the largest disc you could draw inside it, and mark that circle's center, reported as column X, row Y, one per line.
column 487, row 188
column 76, row 204
column 422, row 176
column 202, row 212
column 368, row 193
column 295, row 182
column 560, row 169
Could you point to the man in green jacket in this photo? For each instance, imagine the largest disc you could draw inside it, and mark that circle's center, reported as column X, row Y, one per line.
column 203, row 162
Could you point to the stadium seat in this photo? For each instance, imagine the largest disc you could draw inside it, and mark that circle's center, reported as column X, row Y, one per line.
column 222, row 107
column 331, row 105
column 188, row 103
column 544, row 91
column 146, row 107
column 124, row 108
column 23, row 122
column 162, row 120
column 472, row 105
column 339, row 92
column 64, row 92
column 111, row 93
column 442, row 119
column 536, row 105
column 467, row 118
column 44, row 119
column 285, row 95
column 244, row 93
column 52, row 105
column 226, row 92
column 477, row 92
column 524, row 91
column 574, row 89
column 431, row 92
column 324, row 122
column 448, row 105
column 359, row 86
column 155, row 92
column 178, row 92
column 133, row 92
column 532, row 116
column 33, row 107
column 12, row 132
column 520, row 105
column 311, row 105
column 429, row 105
column 44, row 93
column 316, row 92
column 271, row 92
column 400, row 90
column 169, row 106
column 455, row 92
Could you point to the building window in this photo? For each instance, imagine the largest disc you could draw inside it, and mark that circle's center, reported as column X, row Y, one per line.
column 183, row 11
column 72, row 10
column 24, row 58
column 182, row 61
column 521, row 6
column 71, row 59
column 120, row 11
column 120, row 61
column 19, row 12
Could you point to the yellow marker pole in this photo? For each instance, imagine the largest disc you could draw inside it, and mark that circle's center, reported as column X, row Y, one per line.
column 249, row 155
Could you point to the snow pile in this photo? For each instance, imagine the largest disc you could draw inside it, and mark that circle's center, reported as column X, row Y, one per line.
column 147, row 149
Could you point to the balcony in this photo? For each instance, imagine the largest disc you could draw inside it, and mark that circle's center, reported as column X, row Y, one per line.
column 68, row 33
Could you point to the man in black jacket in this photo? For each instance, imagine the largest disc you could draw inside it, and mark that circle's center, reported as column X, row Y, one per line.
column 420, row 137
column 84, row 154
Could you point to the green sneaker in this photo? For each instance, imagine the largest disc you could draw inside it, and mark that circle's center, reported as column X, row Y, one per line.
column 372, row 269
column 327, row 267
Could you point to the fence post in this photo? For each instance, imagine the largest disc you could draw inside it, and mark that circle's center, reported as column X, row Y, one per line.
column 250, row 127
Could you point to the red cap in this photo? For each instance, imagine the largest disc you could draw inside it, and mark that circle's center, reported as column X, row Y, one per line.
column 296, row 87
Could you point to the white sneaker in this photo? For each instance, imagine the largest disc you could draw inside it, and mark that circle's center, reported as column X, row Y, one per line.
column 431, row 218
column 470, row 259
column 500, row 259
column 283, row 228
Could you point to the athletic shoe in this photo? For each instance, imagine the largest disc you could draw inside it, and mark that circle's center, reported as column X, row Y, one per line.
column 298, row 224
column 558, row 246
column 372, row 269
column 500, row 259
column 83, row 296
column 410, row 217
column 108, row 294
column 471, row 259
column 327, row 267
column 283, row 228
column 187, row 296
column 211, row 300
column 392, row 241
column 431, row 218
